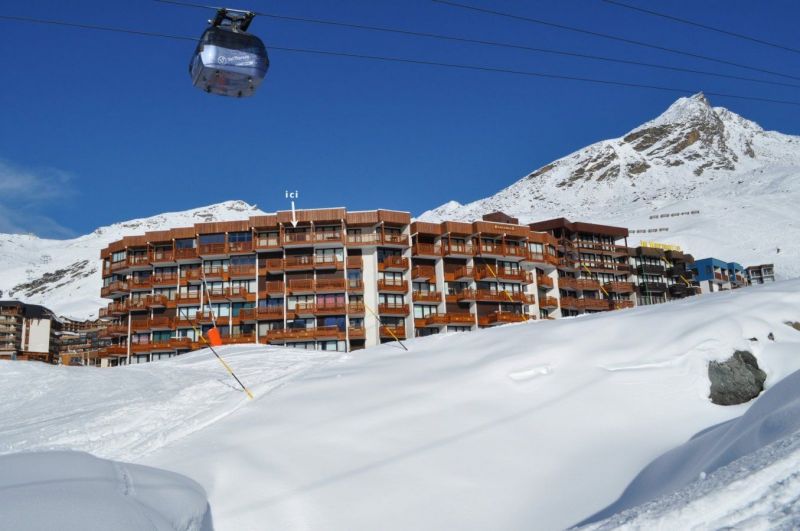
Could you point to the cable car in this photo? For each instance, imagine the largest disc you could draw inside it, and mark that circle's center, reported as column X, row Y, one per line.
column 229, row 61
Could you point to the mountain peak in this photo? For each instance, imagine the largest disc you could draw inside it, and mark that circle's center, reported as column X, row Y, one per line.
column 685, row 110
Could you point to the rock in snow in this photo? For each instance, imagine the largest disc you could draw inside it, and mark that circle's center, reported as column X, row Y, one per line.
column 736, row 380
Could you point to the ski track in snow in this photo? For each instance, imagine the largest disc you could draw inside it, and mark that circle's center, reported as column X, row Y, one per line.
column 125, row 413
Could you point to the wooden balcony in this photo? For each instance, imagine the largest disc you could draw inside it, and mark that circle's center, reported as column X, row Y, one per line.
column 138, row 260
column 427, row 296
column 483, row 272
column 137, row 304
column 460, row 318
column 498, row 318
column 323, row 237
column 330, row 309
column 162, row 257
column 116, row 266
column 619, row 287
column 155, row 301
column 429, row 250
column 587, row 284
column 355, row 308
column 267, row 243
column 240, row 247
column 393, row 263
column 355, row 262
column 486, row 295
column 305, row 334
column 114, row 351
column 330, row 285
column 189, row 298
column 274, row 287
column 567, row 283
column 393, row 309
column 395, row 239
column 548, row 302
column 594, row 304
column 186, row 254
column 465, row 295
column 356, row 332
column 239, row 294
column 103, row 313
column 268, row 313
column 140, row 348
column 570, row 303
column 620, row 305
column 461, row 274
column 242, row 271
column 160, row 323
column 298, row 238
column 140, row 324
column 117, row 286
column 393, row 286
column 140, row 283
column 423, row 272
column 212, row 249
column 328, row 262
column 543, row 258
column 204, row 317
column 165, row 279
column 543, row 281
column 211, row 273
column 369, row 238
column 117, row 330
column 393, row 332
column 298, row 262
column 457, row 249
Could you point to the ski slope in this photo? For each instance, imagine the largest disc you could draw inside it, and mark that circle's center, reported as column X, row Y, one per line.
column 535, row 425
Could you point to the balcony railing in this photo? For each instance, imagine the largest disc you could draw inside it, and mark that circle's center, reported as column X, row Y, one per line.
column 330, row 284
column 328, row 237
column 298, row 262
column 355, row 307
column 460, row 274
column 396, row 286
column 212, row 249
column 186, row 253
column 274, row 287
column 188, row 298
column 295, row 238
column 393, row 309
column 356, row 332
column 594, row 304
column 567, row 283
column 569, row 303
column 242, row 270
column 398, row 332
column 503, row 273
column 268, row 242
column 266, row 313
column 160, row 256
column 458, row 249
column 619, row 287
column 240, row 247
column 393, row 263
column 164, row 279
column 426, row 249
column 354, row 262
column 423, row 272
column 548, row 302
column 619, row 304
column 587, row 284
column 427, row 296
column 544, row 281
column 495, row 318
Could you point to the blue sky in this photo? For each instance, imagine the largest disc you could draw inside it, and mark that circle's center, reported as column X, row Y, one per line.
column 101, row 127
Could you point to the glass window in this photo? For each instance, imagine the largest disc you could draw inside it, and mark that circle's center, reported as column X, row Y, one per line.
column 185, row 243
column 212, row 238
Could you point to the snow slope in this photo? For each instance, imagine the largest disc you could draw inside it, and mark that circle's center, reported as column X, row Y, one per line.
column 535, row 425
column 73, row 491
column 690, row 487
column 698, row 176
column 64, row 275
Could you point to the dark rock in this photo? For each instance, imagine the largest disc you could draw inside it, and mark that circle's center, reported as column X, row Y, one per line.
column 794, row 324
column 736, row 380
column 753, row 339
column 771, row 336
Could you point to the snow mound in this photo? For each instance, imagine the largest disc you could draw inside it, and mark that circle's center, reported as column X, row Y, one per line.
column 74, row 491
column 750, row 455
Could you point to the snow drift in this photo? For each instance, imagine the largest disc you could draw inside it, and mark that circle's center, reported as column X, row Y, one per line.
column 769, row 432
column 535, row 425
column 73, row 491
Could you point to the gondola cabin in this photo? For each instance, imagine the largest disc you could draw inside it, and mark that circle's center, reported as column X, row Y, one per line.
column 229, row 61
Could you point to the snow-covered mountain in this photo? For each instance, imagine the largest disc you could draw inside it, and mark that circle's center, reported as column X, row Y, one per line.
column 64, row 275
column 699, row 176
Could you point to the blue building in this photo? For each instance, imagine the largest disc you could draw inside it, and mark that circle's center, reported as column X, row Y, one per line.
column 714, row 274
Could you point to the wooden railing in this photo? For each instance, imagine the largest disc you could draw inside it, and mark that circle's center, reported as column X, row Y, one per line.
column 211, row 248
column 548, row 302
column 265, row 312
column 354, row 262
column 426, row 249
column 240, row 247
column 330, row 284
column 426, row 296
column 393, row 331
column 392, row 285
column 544, row 281
column 393, row 309
column 185, row 254
column 619, row 287
column 594, row 304
column 619, row 305
column 570, row 303
column 588, row 284
column 502, row 318
column 164, row 279
column 393, row 262
column 423, row 271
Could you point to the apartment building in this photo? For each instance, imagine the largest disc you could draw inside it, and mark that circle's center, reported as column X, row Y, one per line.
column 339, row 280
column 593, row 270
column 715, row 275
column 28, row 332
column 661, row 273
column 760, row 274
